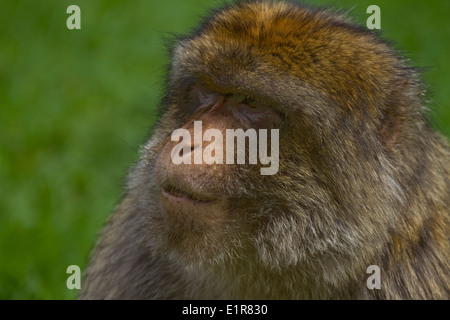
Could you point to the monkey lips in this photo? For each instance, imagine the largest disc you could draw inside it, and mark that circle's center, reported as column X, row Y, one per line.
column 182, row 206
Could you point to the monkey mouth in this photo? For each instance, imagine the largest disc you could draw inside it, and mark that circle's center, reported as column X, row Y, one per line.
column 176, row 194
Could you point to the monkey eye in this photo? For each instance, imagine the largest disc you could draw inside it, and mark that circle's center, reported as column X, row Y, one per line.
column 204, row 95
column 248, row 101
column 199, row 96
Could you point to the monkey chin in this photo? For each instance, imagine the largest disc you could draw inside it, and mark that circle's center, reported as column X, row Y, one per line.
column 196, row 226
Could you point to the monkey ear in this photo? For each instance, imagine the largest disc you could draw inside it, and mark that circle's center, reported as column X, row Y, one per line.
column 393, row 115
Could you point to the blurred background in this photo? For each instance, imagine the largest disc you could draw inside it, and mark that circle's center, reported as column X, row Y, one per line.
column 75, row 106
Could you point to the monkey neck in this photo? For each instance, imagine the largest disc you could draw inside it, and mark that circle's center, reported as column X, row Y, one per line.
column 252, row 280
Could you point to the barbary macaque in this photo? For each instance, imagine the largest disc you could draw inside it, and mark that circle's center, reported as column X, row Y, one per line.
column 359, row 178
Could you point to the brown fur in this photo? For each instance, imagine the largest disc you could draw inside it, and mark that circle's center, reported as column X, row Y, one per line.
column 363, row 179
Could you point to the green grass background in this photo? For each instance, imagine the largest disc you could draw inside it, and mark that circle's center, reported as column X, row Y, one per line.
column 75, row 105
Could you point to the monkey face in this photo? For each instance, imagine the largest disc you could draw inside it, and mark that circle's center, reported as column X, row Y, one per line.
column 202, row 197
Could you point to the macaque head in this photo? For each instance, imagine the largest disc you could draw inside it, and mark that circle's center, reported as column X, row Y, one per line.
column 270, row 122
